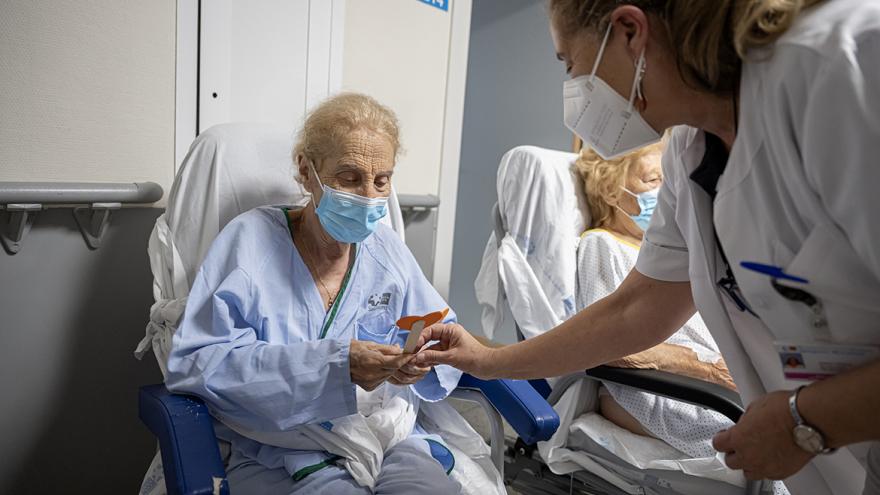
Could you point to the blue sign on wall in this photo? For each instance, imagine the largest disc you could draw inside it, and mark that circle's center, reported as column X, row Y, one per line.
column 440, row 4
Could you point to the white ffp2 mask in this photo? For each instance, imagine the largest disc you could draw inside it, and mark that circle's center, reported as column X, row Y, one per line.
column 601, row 117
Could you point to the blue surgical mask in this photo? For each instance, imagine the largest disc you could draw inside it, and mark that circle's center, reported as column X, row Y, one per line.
column 348, row 218
column 647, row 202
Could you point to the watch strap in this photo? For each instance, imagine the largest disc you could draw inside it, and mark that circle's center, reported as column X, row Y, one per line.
column 792, row 406
column 799, row 420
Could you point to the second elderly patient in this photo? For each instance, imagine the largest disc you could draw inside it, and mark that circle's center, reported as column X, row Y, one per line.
column 621, row 194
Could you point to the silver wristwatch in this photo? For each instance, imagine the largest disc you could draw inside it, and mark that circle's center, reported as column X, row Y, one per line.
column 806, row 436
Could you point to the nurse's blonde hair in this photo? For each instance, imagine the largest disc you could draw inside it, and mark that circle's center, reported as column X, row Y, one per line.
column 708, row 38
column 603, row 180
column 328, row 125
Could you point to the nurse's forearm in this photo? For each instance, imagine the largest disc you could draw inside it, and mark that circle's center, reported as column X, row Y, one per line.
column 844, row 407
column 640, row 314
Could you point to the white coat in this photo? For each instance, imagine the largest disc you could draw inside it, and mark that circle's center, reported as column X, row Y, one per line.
column 797, row 193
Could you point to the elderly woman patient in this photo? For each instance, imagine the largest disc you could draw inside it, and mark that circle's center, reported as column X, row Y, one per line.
column 289, row 333
column 621, row 195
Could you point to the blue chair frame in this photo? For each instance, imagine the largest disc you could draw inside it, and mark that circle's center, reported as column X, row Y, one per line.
column 191, row 458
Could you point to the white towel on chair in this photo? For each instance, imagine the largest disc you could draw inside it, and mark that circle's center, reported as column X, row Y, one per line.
column 543, row 211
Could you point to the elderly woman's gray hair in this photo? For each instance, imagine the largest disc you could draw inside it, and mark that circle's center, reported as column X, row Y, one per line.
column 329, row 124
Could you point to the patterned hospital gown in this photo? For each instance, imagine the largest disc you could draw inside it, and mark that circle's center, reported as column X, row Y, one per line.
column 603, row 262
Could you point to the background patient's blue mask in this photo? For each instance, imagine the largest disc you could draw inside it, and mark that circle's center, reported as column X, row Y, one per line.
column 647, row 202
column 347, row 217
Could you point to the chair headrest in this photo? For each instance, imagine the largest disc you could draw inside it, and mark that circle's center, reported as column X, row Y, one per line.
column 541, row 211
column 230, row 169
column 541, row 185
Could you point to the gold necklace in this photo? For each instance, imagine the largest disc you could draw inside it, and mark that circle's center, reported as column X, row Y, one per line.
column 330, row 297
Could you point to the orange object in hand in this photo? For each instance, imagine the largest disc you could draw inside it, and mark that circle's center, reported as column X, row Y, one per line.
column 406, row 322
column 415, row 324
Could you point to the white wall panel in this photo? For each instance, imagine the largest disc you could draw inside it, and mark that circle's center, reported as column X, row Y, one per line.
column 87, row 90
column 398, row 52
column 266, row 60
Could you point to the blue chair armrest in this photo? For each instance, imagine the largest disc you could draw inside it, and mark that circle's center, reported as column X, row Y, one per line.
column 527, row 412
column 190, row 455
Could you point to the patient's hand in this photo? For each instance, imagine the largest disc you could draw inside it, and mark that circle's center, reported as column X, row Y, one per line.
column 721, row 375
column 370, row 363
column 409, row 373
column 679, row 360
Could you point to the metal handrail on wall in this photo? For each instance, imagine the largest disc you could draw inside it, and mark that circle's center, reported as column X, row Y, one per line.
column 418, row 201
column 92, row 204
column 412, row 205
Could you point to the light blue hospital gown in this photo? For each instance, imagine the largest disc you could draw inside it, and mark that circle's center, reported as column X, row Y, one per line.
column 250, row 346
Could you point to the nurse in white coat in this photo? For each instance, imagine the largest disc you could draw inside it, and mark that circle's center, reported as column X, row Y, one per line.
column 780, row 162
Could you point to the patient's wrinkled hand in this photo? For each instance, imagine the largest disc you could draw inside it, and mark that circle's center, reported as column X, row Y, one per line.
column 409, row 373
column 721, row 375
column 649, row 359
column 370, row 364
column 679, row 360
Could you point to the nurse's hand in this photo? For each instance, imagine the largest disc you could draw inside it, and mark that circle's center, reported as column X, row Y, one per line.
column 455, row 347
column 370, row 363
column 761, row 443
column 409, row 373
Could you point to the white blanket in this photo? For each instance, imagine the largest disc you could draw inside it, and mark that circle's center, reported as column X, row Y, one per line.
column 386, row 416
column 576, row 416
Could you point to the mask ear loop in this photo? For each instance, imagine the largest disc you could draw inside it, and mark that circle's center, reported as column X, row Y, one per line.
column 314, row 171
column 634, row 195
column 637, row 82
column 601, row 52
column 320, row 183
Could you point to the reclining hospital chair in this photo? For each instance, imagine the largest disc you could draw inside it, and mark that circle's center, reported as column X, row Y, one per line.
column 232, row 168
column 529, row 271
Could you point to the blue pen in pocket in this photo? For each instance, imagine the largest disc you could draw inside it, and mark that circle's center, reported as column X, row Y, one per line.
column 821, row 332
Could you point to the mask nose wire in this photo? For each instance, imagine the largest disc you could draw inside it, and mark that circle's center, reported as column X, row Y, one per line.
column 601, row 52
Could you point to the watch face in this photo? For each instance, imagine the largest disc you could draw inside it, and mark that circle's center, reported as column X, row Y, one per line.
column 808, row 439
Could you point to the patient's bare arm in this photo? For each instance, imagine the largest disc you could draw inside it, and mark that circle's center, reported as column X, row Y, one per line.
column 614, row 412
column 679, row 360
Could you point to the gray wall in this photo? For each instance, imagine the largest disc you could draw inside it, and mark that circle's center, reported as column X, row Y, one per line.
column 421, row 237
column 71, row 318
column 513, row 97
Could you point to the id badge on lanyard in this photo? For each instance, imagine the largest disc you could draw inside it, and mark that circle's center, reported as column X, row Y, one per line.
column 819, row 357
column 816, row 361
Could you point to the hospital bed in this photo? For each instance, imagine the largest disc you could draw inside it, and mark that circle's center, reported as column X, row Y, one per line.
column 232, row 168
column 540, row 193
